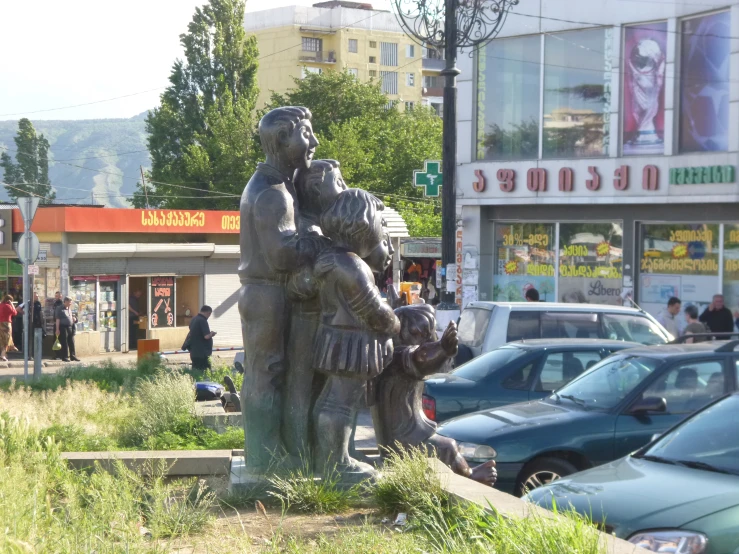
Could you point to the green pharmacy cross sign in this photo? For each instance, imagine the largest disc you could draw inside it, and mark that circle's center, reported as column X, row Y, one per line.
column 429, row 177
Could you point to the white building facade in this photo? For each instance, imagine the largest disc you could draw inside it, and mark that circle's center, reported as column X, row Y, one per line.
column 597, row 152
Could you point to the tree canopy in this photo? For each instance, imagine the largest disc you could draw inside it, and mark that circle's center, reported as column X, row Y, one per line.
column 201, row 135
column 29, row 174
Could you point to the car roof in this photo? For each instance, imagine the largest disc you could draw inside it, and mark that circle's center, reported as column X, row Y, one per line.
column 555, row 306
column 553, row 343
column 685, row 350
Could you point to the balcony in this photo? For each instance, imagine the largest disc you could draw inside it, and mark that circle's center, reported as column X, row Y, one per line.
column 433, row 91
column 318, row 57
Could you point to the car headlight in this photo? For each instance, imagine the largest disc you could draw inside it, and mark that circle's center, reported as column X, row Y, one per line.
column 674, row 542
column 477, row 452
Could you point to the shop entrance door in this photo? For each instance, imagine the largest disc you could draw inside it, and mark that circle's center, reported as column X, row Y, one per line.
column 109, row 308
column 137, row 300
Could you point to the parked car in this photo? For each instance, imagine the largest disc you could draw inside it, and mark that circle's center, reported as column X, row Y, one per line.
column 609, row 411
column 678, row 494
column 519, row 371
column 485, row 326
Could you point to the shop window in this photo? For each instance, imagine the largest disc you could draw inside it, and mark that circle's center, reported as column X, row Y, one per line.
column 704, row 83
column 11, row 279
column 187, row 290
column 590, row 263
column 679, row 260
column 731, row 267
column 525, row 258
column 643, row 114
column 83, row 292
column 577, row 93
column 509, row 88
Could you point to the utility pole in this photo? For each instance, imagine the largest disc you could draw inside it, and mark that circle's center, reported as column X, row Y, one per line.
column 28, row 249
column 143, row 184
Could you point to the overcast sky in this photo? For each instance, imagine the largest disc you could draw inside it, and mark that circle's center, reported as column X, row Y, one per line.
column 57, row 54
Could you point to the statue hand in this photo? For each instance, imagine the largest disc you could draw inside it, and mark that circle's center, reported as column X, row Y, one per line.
column 449, row 340
column 392, row 297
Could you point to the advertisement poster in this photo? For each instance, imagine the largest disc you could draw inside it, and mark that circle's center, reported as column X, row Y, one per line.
column 512, row 288
column 704, row 83
column 644, row 56
column 162, row 305
column 591, row 291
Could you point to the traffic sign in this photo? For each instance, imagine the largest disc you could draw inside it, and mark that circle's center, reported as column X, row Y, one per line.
column 26, row 254
column 33, row 270
column 28, row 206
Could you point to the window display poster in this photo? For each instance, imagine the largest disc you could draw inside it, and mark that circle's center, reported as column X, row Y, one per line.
column 162, row 302
column 705, row 82
column 591, row 291
column 512, row 288
column 645, row 48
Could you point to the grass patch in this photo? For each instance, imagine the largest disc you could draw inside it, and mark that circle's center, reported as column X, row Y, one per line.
column 302, row 492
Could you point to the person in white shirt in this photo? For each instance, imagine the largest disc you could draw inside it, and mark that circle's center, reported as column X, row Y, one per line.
column 667, row 317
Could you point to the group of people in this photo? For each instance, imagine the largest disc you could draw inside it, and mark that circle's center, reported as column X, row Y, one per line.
column 716, row 318
column 319, row 339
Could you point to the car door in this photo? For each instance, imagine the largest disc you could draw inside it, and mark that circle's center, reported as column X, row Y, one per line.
column 686, row 386
column 561, row 367
column 515, row 385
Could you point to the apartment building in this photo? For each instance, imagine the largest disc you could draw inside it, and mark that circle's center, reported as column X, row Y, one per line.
column 337, row 36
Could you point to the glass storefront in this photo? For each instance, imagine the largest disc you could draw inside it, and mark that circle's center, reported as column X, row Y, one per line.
column 525, row 258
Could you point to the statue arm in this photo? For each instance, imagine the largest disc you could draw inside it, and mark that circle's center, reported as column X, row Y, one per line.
column 364, row 298
column 430, row 358
column 275, row 224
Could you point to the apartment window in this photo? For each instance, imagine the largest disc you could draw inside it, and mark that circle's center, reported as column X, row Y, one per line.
column 373, row 44
column 353, row 45
column 389, row 54
column 389, row 82
column 409, row 106
column 307, row 70
column 704, row 83
column 577, row 93
column 373, row 73
column 353, row 71
column 432, row 54
column 432, row 81
column 312, row 44
column 509, row 89
column 410, row 51
column 373, row 59
column 410, row 79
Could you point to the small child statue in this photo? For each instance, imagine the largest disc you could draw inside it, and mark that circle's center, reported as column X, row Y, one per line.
column 353, row 344
column 397, row 410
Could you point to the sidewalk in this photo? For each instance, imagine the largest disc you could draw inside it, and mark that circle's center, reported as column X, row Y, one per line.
column 13, row 369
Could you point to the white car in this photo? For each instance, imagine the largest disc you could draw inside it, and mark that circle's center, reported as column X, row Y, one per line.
column 485, row 326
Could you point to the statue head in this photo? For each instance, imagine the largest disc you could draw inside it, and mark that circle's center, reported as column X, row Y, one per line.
column 417, row 325
column 287, row 137
column 354, row 221
column 318, row 186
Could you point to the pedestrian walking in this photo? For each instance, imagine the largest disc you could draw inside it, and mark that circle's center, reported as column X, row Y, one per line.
column 532, row 295
column 667, row 317
column 7, row 313
column 694, row 327
column 65, row 330
column 718, row 317
column 201, row 339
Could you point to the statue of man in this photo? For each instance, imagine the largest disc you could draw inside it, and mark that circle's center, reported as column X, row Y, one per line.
column 269, row 254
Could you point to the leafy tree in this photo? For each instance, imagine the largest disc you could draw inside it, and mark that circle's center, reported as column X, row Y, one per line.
column 202, row 134
column 379, row 148
column 29, row 174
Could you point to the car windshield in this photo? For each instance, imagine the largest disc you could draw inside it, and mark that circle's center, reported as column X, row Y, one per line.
column 606, row 384
column 708, row 441
column 632, row 328
column 482, row 366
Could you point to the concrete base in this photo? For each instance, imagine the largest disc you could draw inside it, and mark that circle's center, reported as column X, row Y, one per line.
column 177, row 463
column 216, row 418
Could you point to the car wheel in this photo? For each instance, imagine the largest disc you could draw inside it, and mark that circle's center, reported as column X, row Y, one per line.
column 542, row 471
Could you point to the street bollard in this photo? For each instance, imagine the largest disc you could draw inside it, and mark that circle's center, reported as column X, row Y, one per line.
column 38, row 345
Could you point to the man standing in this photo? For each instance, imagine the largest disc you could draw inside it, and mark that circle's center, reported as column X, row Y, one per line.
column 133, row 319
column 201, row 339
column 57, row 302
column 269, row 254
column 667, row 317
column 532, row 295
column 65, row 330
column 718, row 317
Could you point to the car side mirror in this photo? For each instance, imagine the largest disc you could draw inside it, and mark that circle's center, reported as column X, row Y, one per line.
column 649, row 404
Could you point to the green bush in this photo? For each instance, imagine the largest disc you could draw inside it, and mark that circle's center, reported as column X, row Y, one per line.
column 302, row 491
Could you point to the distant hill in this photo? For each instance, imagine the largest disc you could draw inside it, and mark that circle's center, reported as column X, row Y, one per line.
column 92, row 156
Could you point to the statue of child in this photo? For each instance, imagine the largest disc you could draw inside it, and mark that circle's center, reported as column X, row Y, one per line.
column 353, row 343
column 397, row 410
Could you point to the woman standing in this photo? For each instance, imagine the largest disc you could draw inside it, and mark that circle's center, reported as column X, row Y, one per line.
column 7, row 313
column 65, row 330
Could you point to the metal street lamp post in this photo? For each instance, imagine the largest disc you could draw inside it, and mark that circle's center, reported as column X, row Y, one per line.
column 451, row 25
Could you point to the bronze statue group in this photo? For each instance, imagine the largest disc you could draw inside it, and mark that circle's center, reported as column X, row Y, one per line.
column 319, row 340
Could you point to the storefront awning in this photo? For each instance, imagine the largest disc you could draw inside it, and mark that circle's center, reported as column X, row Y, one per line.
column 138, row 250
column 395, row 224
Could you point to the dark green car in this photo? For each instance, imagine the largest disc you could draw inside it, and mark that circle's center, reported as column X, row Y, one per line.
column 518, row 371
column 606, row 413
column 679, row 494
